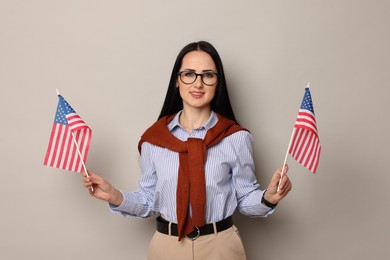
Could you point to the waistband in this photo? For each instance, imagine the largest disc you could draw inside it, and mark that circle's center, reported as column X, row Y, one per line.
column 169, row 228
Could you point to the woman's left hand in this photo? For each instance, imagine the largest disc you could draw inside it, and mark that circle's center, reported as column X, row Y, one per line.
column 275, row 191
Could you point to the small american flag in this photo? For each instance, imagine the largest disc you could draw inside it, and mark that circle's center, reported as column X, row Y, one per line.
column 305, row 145
column 62, row 151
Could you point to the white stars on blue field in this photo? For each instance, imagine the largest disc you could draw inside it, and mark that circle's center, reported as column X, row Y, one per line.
column 63, row 109
column 307, row 102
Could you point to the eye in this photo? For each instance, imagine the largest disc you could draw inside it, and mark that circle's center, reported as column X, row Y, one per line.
column 189, row 74
column 209, row 75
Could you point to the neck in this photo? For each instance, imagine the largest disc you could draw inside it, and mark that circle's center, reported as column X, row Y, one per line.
column 192, row 119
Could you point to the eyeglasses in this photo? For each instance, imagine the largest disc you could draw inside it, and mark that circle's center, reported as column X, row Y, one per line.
column 189, row 77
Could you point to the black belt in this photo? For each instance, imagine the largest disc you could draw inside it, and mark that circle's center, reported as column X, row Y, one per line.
column 163, row 227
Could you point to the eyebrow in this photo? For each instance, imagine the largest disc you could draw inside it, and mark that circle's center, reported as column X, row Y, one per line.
column 192, row 70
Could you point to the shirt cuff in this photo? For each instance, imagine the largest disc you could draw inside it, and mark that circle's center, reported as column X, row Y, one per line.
column 253, row 207
column 129, row 205
column 132, row 206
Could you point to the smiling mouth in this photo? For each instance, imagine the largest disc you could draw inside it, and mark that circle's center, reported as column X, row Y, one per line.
column 197, row 94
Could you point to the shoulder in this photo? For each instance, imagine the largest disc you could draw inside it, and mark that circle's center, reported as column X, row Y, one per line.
column 237, row 142
column 146, row 148
column 240, row 137
column 158, row 134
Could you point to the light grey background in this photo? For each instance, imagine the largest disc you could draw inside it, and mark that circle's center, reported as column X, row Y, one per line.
column 112, row 60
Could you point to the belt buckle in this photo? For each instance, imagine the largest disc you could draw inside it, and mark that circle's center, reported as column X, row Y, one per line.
column 194, row 234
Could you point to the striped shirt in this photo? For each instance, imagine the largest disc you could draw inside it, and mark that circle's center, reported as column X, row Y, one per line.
column 229, row 173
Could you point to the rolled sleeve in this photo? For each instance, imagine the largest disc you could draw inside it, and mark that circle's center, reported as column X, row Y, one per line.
column 133, row 205
column 251, row 205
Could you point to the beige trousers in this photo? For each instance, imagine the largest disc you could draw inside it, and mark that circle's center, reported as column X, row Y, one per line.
column 225, row 245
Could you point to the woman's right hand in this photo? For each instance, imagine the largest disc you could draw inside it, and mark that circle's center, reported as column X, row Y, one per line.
column 102, row 189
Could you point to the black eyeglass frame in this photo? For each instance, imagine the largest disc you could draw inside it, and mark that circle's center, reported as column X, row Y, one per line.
column 198, row 74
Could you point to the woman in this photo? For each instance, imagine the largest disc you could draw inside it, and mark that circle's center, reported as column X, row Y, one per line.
column 197, row 167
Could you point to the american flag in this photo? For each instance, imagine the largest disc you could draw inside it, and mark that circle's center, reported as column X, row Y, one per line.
column 305, row 145
column 62, row 151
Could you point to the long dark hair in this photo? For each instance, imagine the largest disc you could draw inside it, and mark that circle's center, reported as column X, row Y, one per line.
column 221, row 103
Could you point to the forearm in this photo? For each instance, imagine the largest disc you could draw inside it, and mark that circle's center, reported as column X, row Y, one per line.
column 116, row 198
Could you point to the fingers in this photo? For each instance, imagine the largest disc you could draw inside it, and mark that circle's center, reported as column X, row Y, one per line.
column 90, row 179
column 285, row 169
column 278, row 172
column 87, row 182
column 276, row 178
column 285, row 185
column 280, row 184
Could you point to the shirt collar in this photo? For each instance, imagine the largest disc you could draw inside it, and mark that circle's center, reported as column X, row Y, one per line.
column 212, row 121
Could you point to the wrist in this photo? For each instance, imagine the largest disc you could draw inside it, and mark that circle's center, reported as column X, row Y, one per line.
column 268, row 202
column 116, row 197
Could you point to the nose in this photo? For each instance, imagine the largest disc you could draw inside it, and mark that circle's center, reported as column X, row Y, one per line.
column 198, row 83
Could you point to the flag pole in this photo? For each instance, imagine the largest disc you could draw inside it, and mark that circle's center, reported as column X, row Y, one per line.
column 288, row 148
column 78, row 150
column 79, row 153
column 81, row 157
column 285, row 158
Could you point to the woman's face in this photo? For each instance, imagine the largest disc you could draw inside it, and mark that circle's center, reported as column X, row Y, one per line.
column 197, row 94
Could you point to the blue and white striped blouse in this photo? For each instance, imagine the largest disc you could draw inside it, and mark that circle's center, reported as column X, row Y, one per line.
column 230, row 180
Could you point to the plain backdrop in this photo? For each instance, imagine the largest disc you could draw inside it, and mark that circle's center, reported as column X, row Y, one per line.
column 112, row 61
